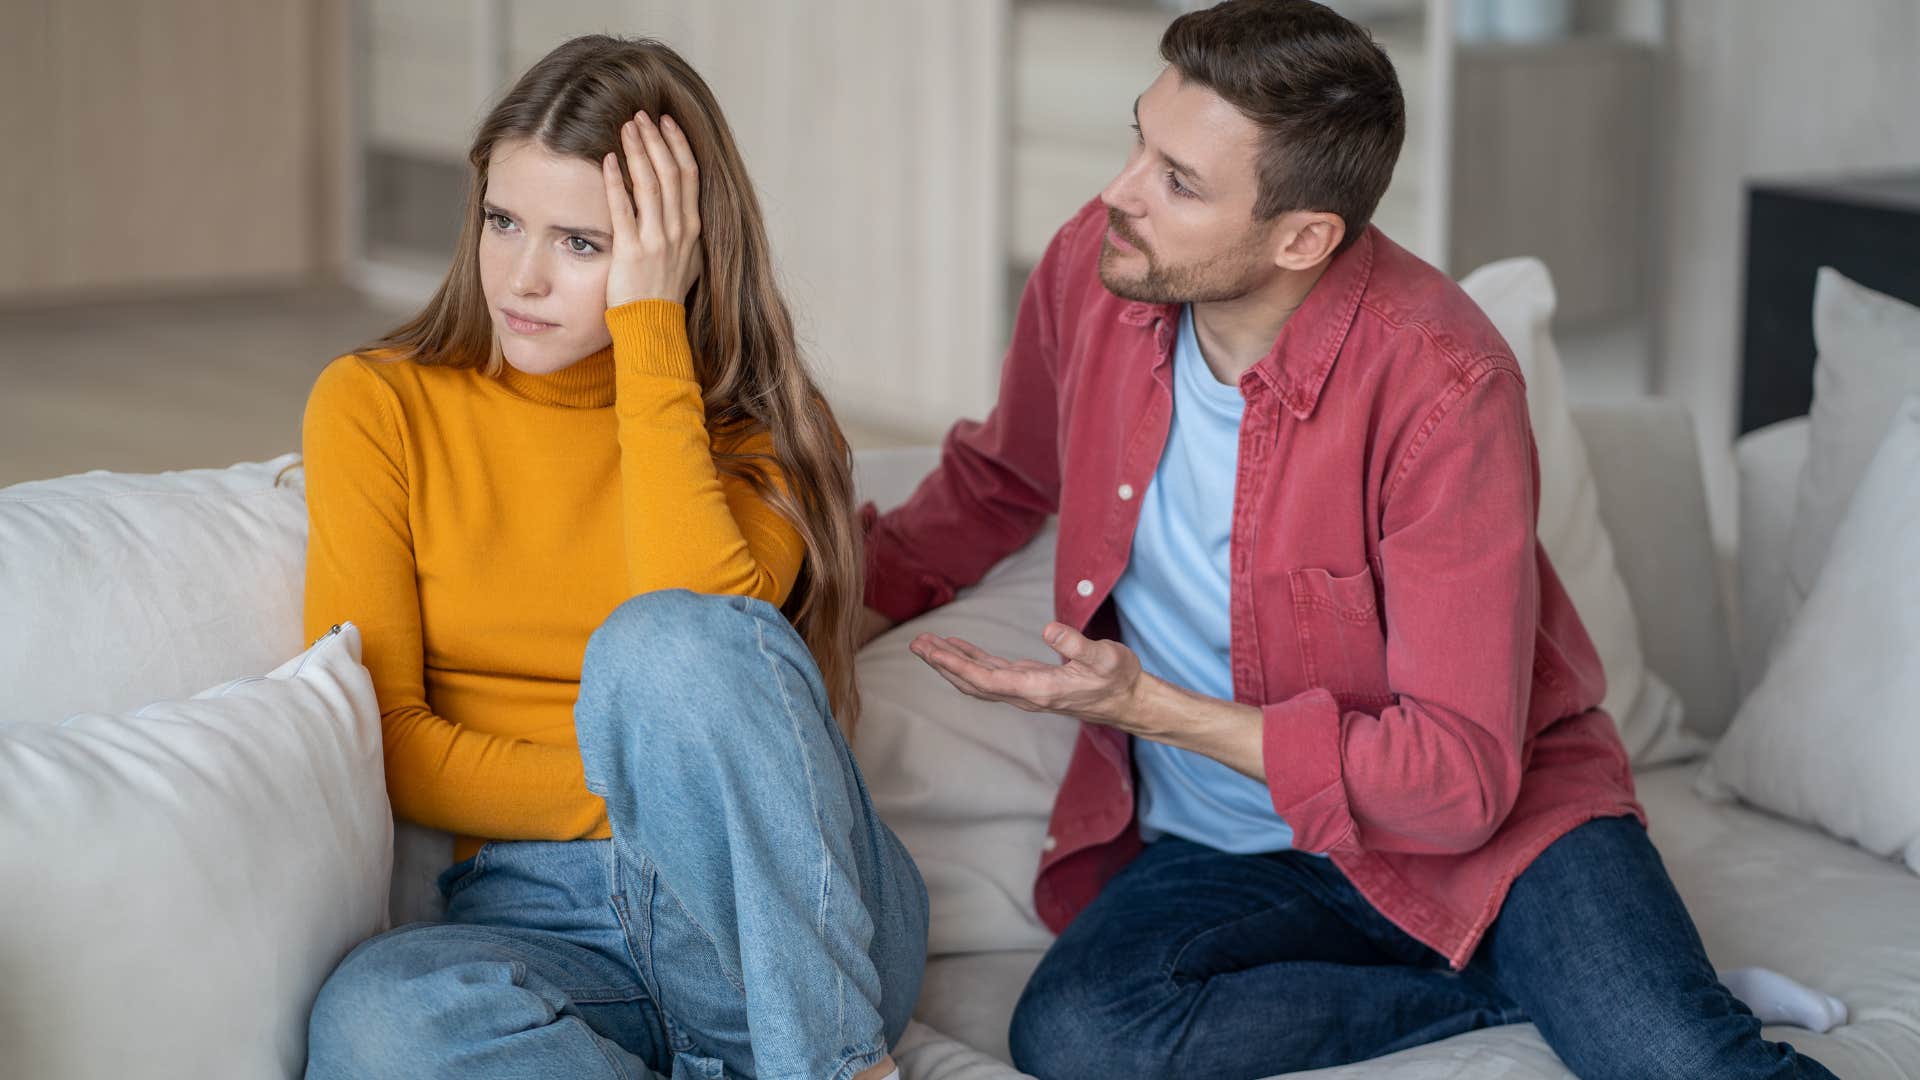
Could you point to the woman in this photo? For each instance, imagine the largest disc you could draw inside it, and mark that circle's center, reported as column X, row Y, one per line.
column 567, row 505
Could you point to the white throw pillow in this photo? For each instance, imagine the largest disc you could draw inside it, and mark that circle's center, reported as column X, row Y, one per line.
column 1832, row 735
column 968, row 785
column 119, row 589
column 1869, row 359
column 125, row 588
column 179, row 881
column 1517, row 296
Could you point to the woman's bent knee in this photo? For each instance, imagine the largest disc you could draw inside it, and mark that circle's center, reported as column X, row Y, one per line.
column 675, row 629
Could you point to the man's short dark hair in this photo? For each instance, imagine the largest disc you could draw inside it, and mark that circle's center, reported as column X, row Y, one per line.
column 1320, row 89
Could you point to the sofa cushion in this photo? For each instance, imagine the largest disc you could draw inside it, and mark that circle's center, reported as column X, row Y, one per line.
column 1764, row 892
column 128, row 588
column 120, row 589
column 1869, row 360
column 1770, row 461
column 1646, row 465
column 180, row 880
column 1829, row 736
column 968, row 785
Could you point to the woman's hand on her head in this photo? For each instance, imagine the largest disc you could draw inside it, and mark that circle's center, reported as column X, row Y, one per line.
column 656, row 229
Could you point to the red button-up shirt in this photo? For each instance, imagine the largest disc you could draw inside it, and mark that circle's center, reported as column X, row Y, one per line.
column 1428, row 694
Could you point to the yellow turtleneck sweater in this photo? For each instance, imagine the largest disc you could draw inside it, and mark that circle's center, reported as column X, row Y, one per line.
column 478, row 529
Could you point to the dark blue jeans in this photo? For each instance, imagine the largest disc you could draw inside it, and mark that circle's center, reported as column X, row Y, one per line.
column 1194, row 962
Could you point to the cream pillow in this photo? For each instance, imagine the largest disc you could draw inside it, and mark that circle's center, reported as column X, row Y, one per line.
column 1831, row 736
column 968, row 785
column 1517, row 296
column 180, row 880
column 122, row 588
column 1869, row 346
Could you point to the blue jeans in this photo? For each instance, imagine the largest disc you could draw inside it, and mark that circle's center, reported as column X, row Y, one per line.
column 1193, row 962
column 750, row 917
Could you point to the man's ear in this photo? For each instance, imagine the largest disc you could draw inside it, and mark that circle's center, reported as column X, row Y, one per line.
column 1307, row 238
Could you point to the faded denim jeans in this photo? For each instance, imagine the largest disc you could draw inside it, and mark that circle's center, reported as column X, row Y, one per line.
column 750, row 917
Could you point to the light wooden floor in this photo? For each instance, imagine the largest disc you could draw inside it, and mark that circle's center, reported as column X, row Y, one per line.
column 174, row 384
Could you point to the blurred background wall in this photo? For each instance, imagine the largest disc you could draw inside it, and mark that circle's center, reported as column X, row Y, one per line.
column 208, row 199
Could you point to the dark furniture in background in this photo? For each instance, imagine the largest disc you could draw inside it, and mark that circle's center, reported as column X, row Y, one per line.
column 1866, row 227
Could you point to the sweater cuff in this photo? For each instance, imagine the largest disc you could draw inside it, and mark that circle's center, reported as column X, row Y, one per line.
column 650, row 338
column 1300, row 746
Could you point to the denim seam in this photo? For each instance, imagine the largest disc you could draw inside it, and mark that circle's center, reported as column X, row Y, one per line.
column 820, row 827
column 648, row 984
column 851, row 1065
column 482, row 858
column 615, row 1067
column 660, row 884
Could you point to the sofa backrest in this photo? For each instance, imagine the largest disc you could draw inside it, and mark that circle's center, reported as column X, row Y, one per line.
column 1646, row 467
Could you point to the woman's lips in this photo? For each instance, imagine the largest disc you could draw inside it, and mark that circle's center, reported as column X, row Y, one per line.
column 520, row 325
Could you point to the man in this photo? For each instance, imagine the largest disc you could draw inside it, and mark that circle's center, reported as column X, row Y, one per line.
column 1342, row 786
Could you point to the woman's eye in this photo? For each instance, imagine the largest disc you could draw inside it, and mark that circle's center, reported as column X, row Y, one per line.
column 500, row 221
column 580, row 245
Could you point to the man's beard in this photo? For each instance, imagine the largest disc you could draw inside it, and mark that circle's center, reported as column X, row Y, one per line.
column 1228, row 276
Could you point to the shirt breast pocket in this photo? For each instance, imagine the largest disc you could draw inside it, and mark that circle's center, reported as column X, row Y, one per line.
column 1343, row 641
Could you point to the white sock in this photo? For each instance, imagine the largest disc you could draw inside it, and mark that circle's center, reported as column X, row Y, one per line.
column 894, row 1075
column 1776, row 999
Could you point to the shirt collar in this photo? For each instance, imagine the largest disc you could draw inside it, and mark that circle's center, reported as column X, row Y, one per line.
column 1302, row 357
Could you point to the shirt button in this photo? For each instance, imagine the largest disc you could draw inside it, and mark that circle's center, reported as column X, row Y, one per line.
column 1085, row 588
column 1126, row 492
column 1049, row 844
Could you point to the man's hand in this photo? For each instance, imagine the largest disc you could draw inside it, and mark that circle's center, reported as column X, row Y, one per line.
column 1098, row 681
column 871, row 624
column 1101, row 682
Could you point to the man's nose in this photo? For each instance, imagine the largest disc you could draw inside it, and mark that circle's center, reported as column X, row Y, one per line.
column 1122, row 193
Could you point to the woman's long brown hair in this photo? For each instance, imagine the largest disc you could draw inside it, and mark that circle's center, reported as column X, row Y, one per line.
column 750, row 369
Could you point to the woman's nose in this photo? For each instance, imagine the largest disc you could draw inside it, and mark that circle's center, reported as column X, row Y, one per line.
column 529, row 276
